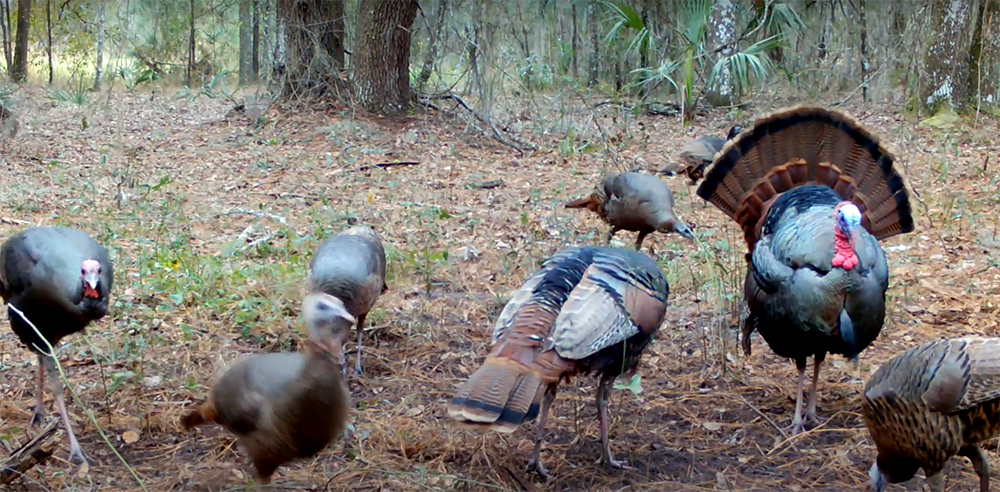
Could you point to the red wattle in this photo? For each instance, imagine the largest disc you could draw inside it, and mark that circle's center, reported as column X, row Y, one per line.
column 89, row 292
column 843, row 252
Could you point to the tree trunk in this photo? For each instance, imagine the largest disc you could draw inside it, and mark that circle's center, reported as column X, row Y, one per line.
column 382, row 57
column 309, row 46
column 246, row 42
column 48, row 35
column 20, row 71
column 984, row 56
column 864, row 50
column 945, row 75
column 101, row 33
column 595, row 43
column 189, row 75
column 255, row 41
column 7, row 35
column 432, row 46
column 722, row 32
column 575, row 43
column 332, row 36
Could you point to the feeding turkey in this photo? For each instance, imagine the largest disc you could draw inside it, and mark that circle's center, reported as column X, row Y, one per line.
column 284, row 406
column 698, row 154
column 351, row 267
column 585, row 310
column 634, row 202
column 932, row 402
column 813, row 192
column 60, row 279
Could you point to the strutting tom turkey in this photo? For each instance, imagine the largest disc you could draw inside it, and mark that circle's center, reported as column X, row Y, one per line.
column 60, row 279
column 930, row 403
column 813, row 192
column 634, row 202
column 351, row 267
column 698, row 153
column 287, row 405
column 585, row 310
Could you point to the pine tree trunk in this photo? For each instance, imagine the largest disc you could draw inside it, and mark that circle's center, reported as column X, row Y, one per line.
column 864, row 50
column 246, row 42
column 595, row 43
column 255, row 41
column 7, row 35
column 20, row 70
column 722, row 32
column 189, row 75
column 48, row 35
column 432, row 46
column 382, row 58
column 575, row 43
column 101, row 33
column 945, row 74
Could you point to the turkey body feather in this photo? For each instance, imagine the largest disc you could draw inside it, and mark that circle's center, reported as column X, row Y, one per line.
column 586, row 310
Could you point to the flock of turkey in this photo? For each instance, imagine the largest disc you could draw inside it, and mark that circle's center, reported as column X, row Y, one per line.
column 813, row 192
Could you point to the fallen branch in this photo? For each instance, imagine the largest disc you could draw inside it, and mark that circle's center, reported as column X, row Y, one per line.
column 486, row 185
column 32, row 453
column 383, row 165
column 511, row 141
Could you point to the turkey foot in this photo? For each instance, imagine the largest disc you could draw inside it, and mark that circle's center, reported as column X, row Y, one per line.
column 76, row 455
column 611, row 462
column 535, row 465
column 38, row 416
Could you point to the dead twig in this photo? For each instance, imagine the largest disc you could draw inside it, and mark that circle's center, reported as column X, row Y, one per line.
column 383, row 165
column 486, row 185
column 511, row 141
column 32, row 453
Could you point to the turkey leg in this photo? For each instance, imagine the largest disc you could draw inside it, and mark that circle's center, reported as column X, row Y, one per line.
column 796, row 426
column 980, row 463
column 611, row 233
column 38, row 416
column 361, row 334
column 640, row 239
column 935, row 482
column 813, row 390
column 535, row 464
column 602, row 417
column 76, row 455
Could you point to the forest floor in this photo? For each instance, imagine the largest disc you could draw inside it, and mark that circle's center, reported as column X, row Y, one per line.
column 211, row 223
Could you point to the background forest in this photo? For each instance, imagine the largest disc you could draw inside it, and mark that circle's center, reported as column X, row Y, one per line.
column 211, row 145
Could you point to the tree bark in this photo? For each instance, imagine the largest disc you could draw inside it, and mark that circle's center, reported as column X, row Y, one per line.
column 382, row 58
column 191, row 58
column 432, row 46
column 246, row 42
column 722, row 32
column 595, row 43
column 309, row 46
column 255, row 40
column 20, row 70
column 575, row 42
column 984, row 56
column 48, row 35
column 945, row 75
column 101, row 33
column 7, row 34
column 864, row 50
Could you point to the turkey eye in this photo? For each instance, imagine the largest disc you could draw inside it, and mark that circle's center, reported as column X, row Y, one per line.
column 83, row 272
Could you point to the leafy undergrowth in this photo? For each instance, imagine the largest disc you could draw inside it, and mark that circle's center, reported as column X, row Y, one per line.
column 211, row 224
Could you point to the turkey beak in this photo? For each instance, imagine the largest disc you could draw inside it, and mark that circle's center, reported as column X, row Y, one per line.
column 91, row 278
column 682, row 229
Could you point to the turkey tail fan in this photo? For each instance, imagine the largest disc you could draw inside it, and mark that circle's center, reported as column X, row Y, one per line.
column 807, row 145
column 202, row 415
column 498, row 395
column 580, row 203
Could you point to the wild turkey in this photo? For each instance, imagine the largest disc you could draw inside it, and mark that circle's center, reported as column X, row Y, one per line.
column 60, row 279
column 283, row 406
column 930, row 403
column 698, row 153
column 585, row 310
column 634, row 202
column 813, row 192
column 351, row 266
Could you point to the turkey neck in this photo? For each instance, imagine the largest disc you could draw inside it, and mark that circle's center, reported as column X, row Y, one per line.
column 316, row 399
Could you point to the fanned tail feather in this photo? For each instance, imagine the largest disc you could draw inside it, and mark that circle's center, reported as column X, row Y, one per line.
column 585, row 202
column 204, row 414
column 499, row 396
column 807, row 145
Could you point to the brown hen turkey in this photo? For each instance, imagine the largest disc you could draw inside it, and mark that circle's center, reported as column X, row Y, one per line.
column 285, row 406
column 930, row 403
column 814, row 192
column 634, row 202
column 351, row 267
column 698, row 153
column 585, row 310
column 60, row 279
